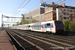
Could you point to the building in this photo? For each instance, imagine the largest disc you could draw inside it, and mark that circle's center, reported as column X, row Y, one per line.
column 60, row 13
column 50, row 14
column 37, row 14
column 19, row 21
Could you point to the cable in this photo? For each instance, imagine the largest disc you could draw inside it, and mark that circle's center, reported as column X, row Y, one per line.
column 41, row 1
column 16, row 6
column 32, row 6
column 23, row 7
column 19, row 6
column 68, row 0
column 60, row 2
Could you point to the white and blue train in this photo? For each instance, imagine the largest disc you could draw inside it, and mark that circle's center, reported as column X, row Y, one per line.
column 48, row 26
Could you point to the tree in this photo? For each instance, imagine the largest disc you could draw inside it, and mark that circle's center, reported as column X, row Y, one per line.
column 14, row 25
column 27, row 21
column 72, row 25
column 66, row 24
column 33, row 20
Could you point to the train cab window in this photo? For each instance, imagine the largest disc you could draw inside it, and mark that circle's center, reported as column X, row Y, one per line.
column 59, row 24
column 48, row 24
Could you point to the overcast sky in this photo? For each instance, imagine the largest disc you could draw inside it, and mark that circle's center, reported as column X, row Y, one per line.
column 18, row 7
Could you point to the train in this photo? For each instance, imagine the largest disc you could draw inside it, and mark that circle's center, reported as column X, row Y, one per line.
column 48, row 26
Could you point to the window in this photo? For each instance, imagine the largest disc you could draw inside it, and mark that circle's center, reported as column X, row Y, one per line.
column 48, row 24
column 69, row 18
column 64, row 17
column 73, row 18
column 37, row 27
column 69, row 14
column 64, row 9
column 73, row 14
column 50, row 13
column 64, row 13
column 69, row 10
column 48, row 9
column 51, row 24
column 48, row 17
column 58, row 23
column 29, row 26
column 43, row 26
column 51, row 17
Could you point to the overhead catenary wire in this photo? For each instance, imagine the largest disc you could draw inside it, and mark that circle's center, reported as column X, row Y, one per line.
column 23, row 7
column 41, row 1
column 19, row 7
column 32, row 7
column 66, row 1
column 60, row 2
column 18, row 2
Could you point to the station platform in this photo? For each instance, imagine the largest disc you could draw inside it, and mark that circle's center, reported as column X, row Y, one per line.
column 5, row 41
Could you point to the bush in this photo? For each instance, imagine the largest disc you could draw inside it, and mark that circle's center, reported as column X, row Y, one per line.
column 27, row 21
column 66, row 25
column 72, row 26
column 69, row 25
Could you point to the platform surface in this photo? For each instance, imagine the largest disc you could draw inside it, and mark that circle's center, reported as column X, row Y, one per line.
column 5, row 41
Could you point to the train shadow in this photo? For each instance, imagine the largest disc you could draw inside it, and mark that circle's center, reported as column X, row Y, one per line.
column 64, row 33
column 67, row 33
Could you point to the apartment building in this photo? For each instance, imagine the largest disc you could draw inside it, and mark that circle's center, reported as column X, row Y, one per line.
column 37, row 14
column 61, row 13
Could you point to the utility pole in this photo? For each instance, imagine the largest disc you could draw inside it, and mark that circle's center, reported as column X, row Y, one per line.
column 22, row 17
column 31, row 19
column 2, row 22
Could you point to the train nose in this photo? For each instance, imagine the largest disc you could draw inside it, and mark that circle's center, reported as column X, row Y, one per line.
column 60, row 28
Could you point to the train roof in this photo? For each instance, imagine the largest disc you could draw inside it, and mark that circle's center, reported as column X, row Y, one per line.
column 36, row 23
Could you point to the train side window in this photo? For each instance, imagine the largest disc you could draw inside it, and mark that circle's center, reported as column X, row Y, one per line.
column 29, row 26
column 48, row 24
column 43, row 26
column 51, row 24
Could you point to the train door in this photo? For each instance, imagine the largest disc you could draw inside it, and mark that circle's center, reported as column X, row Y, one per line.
column 44, row 27
column 50, row 27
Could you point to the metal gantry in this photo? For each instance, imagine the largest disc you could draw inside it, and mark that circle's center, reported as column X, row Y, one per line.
column 4, row 16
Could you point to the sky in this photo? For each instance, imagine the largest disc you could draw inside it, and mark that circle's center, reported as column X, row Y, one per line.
column 17, row 7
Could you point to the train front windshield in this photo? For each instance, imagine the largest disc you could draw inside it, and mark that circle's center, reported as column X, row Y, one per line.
column 59, row 24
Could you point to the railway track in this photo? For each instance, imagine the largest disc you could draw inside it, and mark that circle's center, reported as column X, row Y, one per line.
column 53, row 42
column 57, row 38
column 25, row 43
